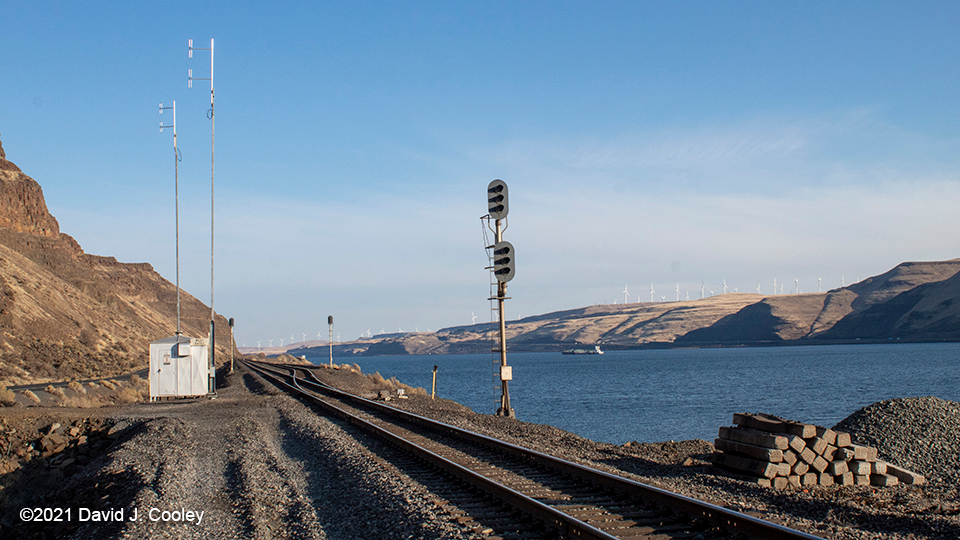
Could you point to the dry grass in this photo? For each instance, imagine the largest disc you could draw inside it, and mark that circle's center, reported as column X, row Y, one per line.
column 83, row 402
column 77, row 387
column 30, row 395
column 141, row 385
column 108, row 384
column 392, row 384
column 128, row 395
column 7, row 398
column 55, row 391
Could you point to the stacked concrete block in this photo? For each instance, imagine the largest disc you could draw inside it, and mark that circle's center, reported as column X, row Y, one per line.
column 774, row 452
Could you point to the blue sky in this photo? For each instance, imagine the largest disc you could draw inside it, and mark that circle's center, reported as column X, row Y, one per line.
column 644, row 143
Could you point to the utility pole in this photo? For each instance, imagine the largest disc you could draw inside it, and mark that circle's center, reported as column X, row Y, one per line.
column 231, row 344
column 504, row 261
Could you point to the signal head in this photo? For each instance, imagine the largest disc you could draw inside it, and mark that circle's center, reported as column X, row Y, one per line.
column 504, row 261
column 497, row 202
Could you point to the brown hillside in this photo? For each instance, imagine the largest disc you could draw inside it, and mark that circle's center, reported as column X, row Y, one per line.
column 800, row 316
column 65, row 313
column 928, row 312
column 915, row 301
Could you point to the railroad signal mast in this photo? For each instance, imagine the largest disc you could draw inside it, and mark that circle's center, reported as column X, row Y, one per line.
column 504, row 260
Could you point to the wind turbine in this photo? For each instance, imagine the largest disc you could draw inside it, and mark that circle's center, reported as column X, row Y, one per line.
column 651, row 294
column 304, row 336
column 774, row 285
column 281, row 342
column 292, row 339
column 819, row 284
column 663, row 298
column 271, row 342
column 338, row 337
column 258, row 344
column 625, row 294
column 758, row 289
column 798, row 285
column 678, row 292
column 368, row 333
column 319, row 336
column 688, row 295
column 473, row 318
column 724, row 286
column 701, row 290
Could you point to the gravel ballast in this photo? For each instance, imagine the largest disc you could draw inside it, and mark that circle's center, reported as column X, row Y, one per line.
column 260, row 464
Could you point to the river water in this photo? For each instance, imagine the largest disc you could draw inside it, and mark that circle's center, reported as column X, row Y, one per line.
column 677, row 394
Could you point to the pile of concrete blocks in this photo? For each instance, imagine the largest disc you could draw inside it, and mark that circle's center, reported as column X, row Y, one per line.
column 774, row 452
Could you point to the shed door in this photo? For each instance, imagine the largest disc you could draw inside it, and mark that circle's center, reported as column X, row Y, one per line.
column 167, row 375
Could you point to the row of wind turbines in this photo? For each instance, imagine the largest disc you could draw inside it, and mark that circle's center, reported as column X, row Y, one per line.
column 703, row 290
column 366, row 334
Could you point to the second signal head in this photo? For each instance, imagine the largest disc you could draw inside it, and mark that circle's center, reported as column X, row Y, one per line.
column 504, row 261
column 497, row 199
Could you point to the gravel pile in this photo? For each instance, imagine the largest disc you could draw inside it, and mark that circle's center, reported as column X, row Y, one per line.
column 919, row 433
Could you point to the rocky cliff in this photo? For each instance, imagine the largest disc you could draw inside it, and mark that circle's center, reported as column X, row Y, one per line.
column 68, row 314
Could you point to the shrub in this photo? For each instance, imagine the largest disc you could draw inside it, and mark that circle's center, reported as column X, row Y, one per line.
column 128, row 395
column 7, row 398
column 138, row 383
column 30, row 395
column 54, row 391
column 80, row 402
column 77, row 387
column 110, row 385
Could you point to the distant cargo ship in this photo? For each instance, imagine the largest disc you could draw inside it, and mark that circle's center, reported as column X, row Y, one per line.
column 594, row 350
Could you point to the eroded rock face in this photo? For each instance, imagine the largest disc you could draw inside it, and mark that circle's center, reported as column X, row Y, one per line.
column 22, row 206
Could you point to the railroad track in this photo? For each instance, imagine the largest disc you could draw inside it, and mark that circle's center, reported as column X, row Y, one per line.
column 507, row 491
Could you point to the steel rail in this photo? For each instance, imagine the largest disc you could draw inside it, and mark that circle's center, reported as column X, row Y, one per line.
column 540, row 511
column 730, row 520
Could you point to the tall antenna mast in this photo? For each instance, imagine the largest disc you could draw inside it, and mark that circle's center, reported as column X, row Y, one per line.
column 210, row 115
column 176, row 195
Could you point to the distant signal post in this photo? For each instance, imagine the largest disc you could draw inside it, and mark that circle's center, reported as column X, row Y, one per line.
column 503, row 270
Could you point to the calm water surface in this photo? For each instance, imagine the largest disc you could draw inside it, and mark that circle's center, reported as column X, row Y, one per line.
column 677, row 394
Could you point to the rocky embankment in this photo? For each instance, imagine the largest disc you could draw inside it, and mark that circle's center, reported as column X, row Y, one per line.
column 260, row 464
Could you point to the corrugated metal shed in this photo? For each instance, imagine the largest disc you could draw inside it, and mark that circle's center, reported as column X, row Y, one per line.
column 179, row 367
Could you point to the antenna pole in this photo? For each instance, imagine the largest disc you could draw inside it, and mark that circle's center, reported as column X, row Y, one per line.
column 176, row 195
column 211, row 116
